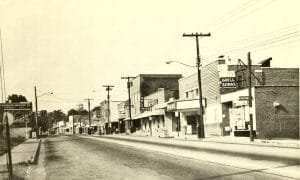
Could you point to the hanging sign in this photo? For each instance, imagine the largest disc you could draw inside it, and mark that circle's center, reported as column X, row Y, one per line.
column 228, row 82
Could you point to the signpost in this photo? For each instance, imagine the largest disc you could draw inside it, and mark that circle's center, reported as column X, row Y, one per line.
column 9, row 120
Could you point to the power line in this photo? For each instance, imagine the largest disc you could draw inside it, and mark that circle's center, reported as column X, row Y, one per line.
column 261, row 43
column 259, row 37
column 1, row 79
column 3, row 87
column 233, row 12
column 242, row 15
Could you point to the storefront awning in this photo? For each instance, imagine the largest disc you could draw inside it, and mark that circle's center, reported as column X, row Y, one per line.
column 157, row 112
column 185, row 105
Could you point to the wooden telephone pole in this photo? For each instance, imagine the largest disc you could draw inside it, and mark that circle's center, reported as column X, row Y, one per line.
column 200, row 122
column 89, row 108
column 79, row 109
column 108, row 88
column 129, row 99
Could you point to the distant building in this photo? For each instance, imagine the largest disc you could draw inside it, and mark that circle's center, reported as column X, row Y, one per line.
column 109, row 117
column 148, row 91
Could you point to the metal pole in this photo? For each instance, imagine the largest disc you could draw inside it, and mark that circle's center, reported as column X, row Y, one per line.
column 10, row 169
column 36, row 113
column 250, row 98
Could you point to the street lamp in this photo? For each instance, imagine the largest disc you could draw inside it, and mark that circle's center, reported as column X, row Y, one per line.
column 36, row 109
column 169, row 62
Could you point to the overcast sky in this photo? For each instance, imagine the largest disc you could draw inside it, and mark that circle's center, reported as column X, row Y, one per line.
column 73, row 47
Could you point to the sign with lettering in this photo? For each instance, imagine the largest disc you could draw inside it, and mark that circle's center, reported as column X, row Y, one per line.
column 228, row 82
column 243, row 98
column 171, row 106
column 17, row 106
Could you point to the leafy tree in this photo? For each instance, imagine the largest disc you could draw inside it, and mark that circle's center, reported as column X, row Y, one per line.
column 72, row 112
column 14, row 98
column 43, row 120
column 55, row 116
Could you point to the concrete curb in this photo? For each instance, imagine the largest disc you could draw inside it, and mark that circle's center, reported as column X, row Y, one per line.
column 35, row 154
column 251, row 154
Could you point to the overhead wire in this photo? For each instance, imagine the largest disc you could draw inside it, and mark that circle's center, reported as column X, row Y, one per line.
column 258, row 42
column 259, row 37
column 232, row 13
column 1, row 78
column 249, row 10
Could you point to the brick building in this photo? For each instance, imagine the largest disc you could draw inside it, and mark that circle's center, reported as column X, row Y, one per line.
column 275, row 104
column 225, row 94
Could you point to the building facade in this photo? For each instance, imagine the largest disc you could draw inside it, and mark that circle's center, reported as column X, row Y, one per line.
column 275, row 104
column 147, row 93
column 187, row 107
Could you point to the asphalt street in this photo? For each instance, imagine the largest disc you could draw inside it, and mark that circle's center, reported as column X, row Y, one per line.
column 71, row 157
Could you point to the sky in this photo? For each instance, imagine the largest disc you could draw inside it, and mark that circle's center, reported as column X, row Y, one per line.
column 74, row 47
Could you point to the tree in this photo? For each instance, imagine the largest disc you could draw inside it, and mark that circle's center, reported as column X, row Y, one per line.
column 56, row 116
column 82, row 111
column 72, row 112
column 14, row 98
column 43, row 121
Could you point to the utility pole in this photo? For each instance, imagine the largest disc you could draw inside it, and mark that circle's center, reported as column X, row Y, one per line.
column 250, row 74
column 250, row 97
column 73, row 125
column 129, row 99
column 89, row 108
column 200, row 122
column 79, row 110
column 36, row 114
column 108, row 88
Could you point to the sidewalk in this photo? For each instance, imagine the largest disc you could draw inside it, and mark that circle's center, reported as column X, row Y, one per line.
column 23, row 153
column 244, row 147
column 289, row 143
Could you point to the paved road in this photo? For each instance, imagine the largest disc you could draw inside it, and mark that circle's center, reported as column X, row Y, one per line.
column 69, row 157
